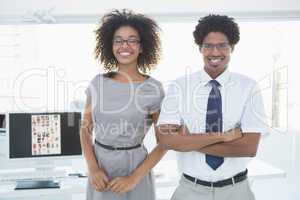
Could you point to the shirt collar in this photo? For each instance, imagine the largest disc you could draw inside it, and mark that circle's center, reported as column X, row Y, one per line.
column 222, row 78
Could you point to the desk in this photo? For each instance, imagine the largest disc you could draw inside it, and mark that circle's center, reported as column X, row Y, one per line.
column 166, row 180
column 68, row 187
column 167, row 176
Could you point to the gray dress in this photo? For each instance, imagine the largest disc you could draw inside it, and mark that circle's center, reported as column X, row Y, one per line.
column 121, row 115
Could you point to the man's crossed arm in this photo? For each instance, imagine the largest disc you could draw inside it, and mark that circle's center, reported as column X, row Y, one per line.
column 232, row 143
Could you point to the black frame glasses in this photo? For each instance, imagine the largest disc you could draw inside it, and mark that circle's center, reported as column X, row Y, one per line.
column 224, row 46
column 131, row 41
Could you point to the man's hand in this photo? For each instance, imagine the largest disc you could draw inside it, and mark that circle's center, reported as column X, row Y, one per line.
column 98, row 179
column 232, row 134
column 123, row 184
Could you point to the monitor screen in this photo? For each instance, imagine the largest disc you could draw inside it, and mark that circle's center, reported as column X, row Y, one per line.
column 2, row 120
column 34, row 135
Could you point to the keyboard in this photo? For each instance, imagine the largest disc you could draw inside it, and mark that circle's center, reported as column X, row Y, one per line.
column 11, row 176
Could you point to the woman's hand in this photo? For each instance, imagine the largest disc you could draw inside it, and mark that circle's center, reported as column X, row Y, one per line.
column 98, row 179
column 232, row 134
column 122, row 184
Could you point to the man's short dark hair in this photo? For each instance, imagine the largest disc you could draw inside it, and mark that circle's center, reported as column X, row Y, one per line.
column 147, row 29
column 217, row 23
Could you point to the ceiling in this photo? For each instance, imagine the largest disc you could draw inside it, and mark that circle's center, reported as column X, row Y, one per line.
column 60, row 11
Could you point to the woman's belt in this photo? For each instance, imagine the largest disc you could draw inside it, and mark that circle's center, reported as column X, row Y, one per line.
column 108, row 147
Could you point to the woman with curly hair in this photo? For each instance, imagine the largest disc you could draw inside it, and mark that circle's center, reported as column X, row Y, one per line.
column 121, row 106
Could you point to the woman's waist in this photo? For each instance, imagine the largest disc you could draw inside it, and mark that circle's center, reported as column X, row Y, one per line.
column 114, row 146
column 120, row 140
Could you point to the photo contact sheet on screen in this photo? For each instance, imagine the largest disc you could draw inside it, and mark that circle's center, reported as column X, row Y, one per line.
column 46, row 134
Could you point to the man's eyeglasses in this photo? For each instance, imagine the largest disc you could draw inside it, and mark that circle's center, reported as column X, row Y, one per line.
column 225, row 46
column 131, row 41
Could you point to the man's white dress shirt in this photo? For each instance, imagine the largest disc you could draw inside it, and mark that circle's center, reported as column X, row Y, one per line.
column 186, row 103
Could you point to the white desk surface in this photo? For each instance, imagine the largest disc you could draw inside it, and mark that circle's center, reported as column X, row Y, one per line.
column 166, row 175
column 68, row 186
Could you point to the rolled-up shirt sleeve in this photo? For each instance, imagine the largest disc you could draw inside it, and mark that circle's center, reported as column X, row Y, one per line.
column 254, row 118
column 170, row 109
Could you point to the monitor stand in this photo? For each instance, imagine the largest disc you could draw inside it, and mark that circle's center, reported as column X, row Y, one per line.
column 36, row 184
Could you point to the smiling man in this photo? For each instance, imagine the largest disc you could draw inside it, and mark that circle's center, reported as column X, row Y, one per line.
column 214, row 119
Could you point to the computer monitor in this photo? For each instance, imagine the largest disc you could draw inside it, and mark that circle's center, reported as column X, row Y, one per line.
column 3, row 151
column 2, row 120
column 35, row 135
column 43, row 140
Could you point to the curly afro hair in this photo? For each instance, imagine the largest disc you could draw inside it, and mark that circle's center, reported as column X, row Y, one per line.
column 147, row 29
column 217, row 23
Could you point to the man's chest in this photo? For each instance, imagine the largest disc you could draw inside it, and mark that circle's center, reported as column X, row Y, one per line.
column 193, row 107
